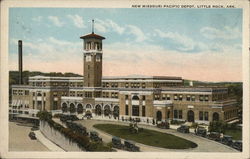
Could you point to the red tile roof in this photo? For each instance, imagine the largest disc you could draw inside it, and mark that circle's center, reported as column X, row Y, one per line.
column 92, row 35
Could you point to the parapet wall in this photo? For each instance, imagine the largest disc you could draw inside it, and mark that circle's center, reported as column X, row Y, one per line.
column 58, row 138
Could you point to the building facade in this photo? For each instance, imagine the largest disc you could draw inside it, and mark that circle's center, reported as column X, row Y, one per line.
column 145, row 98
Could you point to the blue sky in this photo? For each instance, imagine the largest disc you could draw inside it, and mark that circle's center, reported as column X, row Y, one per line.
column 189, row 43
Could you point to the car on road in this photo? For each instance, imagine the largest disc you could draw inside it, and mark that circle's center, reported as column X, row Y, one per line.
column 94, row 136
column 227, row 140
column 32, row 135
column 201, row 131
column 116, row 142
column 237, row 145
column 214, row 136
column 183, row 129
column 130, row 146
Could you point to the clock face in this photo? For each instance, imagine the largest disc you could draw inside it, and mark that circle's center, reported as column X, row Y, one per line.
column 88, row 58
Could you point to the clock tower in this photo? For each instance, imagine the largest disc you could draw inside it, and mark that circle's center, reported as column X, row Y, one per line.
column 92, row 55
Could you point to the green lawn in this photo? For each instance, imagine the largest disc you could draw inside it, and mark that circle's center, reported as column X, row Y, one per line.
column 147, row 137
column 236, row 134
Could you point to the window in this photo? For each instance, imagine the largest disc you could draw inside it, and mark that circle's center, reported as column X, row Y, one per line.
column 206, row 116
column 163, row 97
column 201, row 115
column 143, row 111
column 143, row 85
column 180, row 114
column 126, row 110
column 193, row 97
column 126, row 85
column 26, row 93
column 126, row 96
column 168, row 97
column 54, row 105
column 180, row 97
column 175, row 97
column 188, row 98
column 206, row 98
column 201, row 98
column 135, row 110
column 143, row 98
column 175, row 114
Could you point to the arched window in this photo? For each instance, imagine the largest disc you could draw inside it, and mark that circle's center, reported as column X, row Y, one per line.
column 79, row 109
column 216, row 116
column 135, row 98
column 107, row 110
column 116, row 111
column 72, row 108
column 98, row 110
column 64, row 107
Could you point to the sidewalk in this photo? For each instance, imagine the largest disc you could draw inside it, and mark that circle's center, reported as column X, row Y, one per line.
column 46, row 142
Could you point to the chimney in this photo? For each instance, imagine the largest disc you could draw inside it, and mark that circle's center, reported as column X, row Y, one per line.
column 191, row 83
column 20, row 61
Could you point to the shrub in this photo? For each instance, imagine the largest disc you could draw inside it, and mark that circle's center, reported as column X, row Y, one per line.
column 177, row 122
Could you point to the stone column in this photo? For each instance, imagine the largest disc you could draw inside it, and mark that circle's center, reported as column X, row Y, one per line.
column 42, row 101
column 35, row 100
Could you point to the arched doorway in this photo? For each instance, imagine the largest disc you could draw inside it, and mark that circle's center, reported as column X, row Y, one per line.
column 168, row 114
column 158, row 116
column 98, row 110
column 135, row 97
column 190, row 116
column 64, row 107
column 216, row 116
column 116, row 112
column 79, row 109
column 72, row 108
column 107, row 110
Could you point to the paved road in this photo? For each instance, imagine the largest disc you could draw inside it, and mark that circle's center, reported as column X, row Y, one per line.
column 20, row 141
column 204, row 145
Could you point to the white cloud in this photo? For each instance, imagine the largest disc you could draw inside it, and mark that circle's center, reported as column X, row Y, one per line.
column 186, row 43
column 108, row 25
column 37, row 19
column 227, row 33
column 77, row 20
column 55, row 20
column 137, row 32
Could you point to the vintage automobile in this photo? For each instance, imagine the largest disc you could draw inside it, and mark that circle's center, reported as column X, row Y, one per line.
column 183, row 129
column 130, row 146
column 34, row 128
column 237, row 145
column 94, row 136
column 163, row 125
column 116, row 142
column 227, row 140
column 32, row 135
column 64, row 118
column 201, row 131
column 214, row 136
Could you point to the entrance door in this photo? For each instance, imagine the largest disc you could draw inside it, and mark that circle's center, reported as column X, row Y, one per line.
column 190, row 116
column 159, row 116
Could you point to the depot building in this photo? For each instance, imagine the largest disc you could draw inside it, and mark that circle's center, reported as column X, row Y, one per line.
column 147, row 98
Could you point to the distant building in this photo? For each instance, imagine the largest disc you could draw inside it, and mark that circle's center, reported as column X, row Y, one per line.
column 145, row 97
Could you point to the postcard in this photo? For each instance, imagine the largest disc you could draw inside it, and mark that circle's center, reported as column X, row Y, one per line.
column 124, row 79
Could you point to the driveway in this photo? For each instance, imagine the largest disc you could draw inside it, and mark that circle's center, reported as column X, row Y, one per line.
column 204, row 145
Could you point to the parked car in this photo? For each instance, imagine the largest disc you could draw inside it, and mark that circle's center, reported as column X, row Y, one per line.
column 227, row 140
column 163, row 125
column 214, row 136
column 94, row 136
column 201, row 131
column 32, row 135
column 183, row 129
column 237, row 145
column 130, row 146
column 34, row 128
column 116, row 142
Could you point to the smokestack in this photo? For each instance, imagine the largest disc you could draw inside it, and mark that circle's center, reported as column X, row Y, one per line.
column 20, row 61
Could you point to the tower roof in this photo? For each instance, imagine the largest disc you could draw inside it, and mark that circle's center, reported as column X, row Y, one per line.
column 92, row 35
